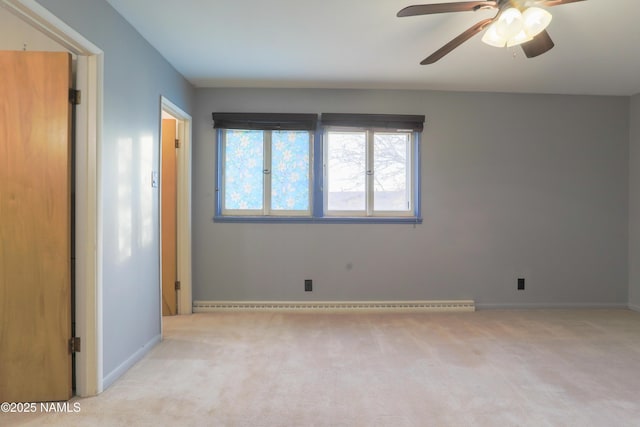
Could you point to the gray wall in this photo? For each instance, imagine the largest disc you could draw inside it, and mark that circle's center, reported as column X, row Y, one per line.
column 135, row 76
column 532, row 186
column 634, row 204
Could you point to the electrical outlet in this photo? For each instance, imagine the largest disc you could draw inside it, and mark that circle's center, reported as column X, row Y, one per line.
column 308, row 285
column 521, row 283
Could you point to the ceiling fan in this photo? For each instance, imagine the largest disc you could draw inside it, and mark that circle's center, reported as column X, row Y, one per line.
column 518, row 22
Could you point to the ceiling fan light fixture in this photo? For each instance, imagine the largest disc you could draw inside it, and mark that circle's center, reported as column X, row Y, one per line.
column 514, row 27
column 536, row 20
column 517, row 22
column 492, row 38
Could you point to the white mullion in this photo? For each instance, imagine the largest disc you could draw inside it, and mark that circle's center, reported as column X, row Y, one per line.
column 267, row 173
column 325, row 172
column 370, row 172
column 222, row 185
column 311, row 174
column 409, row 166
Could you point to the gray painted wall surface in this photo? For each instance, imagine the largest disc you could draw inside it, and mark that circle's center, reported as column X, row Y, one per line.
column 135, row 76
column 532, row 186
column 634, row 204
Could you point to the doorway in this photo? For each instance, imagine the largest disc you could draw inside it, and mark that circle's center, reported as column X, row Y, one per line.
column 89, row 72
column 175, row 212
column 36, row 228
column 170, row 284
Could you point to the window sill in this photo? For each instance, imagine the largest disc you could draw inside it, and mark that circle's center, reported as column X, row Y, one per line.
column 317, row 220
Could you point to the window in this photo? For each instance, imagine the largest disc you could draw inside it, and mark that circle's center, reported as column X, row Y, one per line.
column 266, row 171
column 362, row 167
column 371, row 165
column 368, row 172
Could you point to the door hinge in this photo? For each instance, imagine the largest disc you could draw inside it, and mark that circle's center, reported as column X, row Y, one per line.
column 177, row 285
column 75, row 96
column 177, row 143
column 74, row 345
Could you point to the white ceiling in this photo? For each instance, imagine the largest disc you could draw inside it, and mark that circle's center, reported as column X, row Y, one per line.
column 362, row 44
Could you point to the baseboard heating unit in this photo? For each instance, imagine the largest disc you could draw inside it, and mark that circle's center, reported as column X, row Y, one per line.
column 335, row 306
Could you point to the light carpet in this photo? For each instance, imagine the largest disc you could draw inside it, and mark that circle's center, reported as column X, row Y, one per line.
column 486, row 368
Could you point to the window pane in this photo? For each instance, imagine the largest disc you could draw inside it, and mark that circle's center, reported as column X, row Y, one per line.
column 346, row 171
column 290, row 170
column 243, row 169
column 391, row 171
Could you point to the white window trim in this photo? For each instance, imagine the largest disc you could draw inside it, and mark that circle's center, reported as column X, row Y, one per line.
column 369, row 210
column 266, row 210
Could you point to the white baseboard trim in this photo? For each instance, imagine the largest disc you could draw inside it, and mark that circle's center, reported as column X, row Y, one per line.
column 536, row 306
column 634, row 307
column 335, row 306
column 127, row 364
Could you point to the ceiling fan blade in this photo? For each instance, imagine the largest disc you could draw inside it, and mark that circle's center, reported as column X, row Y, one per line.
column 549, row 3
column 539, row 45
column 461, row 6
column 438, row 54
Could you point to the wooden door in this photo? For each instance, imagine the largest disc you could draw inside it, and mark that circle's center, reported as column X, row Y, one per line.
column 35, row 226
column 169, row 223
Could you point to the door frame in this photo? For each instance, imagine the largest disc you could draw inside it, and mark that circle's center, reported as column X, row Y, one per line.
column 183, row 199
column 90, row 72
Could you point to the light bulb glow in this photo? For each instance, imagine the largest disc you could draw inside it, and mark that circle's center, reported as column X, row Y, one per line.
column 510, row 23
column 521, row 37
column 492, row 38
column 513, row 27
column 536, row 20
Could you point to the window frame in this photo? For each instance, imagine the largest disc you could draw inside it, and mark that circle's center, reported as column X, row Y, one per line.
column 369, row 210
column 317, row 129
column 267, row 162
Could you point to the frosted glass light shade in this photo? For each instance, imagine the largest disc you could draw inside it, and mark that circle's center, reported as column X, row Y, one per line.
column 492, row 38
column 510, row 23
column 535, row 20
column 521, row 37
column 513, row 27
